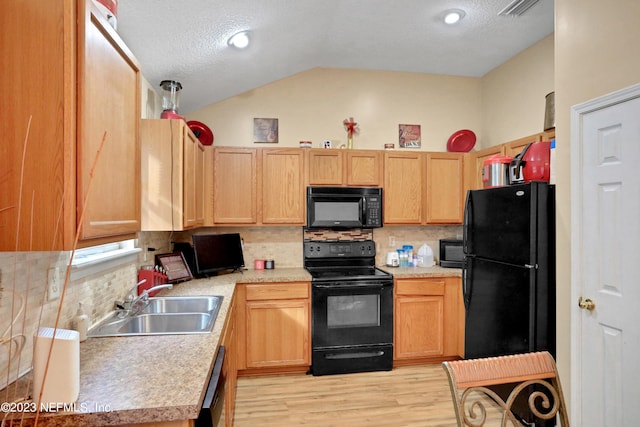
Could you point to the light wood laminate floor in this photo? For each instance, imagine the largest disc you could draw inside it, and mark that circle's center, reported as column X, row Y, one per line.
column 406, row 396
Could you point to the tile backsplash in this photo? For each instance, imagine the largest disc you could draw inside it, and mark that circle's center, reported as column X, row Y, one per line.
column 24, row 274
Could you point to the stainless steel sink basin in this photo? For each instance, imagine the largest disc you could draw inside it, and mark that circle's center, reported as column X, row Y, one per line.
column 203, row 304
column 167, row 323
column 164, row 316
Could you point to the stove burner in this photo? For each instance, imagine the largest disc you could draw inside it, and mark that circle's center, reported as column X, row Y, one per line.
column 347, row 273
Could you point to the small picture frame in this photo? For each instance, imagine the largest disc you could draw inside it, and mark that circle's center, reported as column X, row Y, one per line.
column 175, row 266
column 409, row 136
column 265, row 130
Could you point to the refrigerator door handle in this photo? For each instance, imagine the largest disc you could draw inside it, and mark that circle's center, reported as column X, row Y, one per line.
column 467, row 244
column 466, row 282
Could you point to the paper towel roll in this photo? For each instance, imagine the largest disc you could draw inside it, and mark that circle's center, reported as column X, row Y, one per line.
column 62, row 384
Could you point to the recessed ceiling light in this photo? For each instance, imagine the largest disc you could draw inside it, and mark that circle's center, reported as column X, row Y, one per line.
column 452, row 16
column 239, row 40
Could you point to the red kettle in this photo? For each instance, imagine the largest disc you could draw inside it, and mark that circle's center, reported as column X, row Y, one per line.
column 532, row 164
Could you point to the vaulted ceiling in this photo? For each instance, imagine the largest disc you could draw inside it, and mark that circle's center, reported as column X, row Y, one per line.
column 187, row 40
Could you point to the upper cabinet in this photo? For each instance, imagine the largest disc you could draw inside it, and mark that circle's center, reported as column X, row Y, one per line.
column 404, row 175
column 423, row 188
column 258, row 186
column 283, row 186
column 235, row 185
column 173, row 176
column 74, row 83
column 326, row 167
column 515, row 147
column 354, row 168
column 445, row 188
column 364, row 168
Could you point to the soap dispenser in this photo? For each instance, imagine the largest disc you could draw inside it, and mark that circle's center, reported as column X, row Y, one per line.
column 81, row 323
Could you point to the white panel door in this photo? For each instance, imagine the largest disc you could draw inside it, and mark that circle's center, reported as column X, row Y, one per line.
column 606, row 232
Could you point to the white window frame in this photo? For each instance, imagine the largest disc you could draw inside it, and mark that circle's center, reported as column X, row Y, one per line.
column 95, row 259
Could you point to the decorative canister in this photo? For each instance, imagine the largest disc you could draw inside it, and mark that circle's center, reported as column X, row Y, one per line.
column 550, row 111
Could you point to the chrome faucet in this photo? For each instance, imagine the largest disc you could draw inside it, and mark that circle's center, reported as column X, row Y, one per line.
column 134, row 303
column 144, row 296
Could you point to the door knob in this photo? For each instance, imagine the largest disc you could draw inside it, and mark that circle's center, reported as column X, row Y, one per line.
column 586, row 304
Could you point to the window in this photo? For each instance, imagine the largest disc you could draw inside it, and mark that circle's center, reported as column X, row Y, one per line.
column 97, row 258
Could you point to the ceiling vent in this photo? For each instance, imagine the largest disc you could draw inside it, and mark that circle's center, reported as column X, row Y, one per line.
column 517, row 7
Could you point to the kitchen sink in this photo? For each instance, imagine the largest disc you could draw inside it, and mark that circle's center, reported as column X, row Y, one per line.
column 167, row 323
column 203, row 304
column 163, row 316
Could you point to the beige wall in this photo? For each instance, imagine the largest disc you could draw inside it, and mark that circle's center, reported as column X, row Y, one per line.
column 507, row 103
column 513, row 94
column 311, row 106
column 596, row 52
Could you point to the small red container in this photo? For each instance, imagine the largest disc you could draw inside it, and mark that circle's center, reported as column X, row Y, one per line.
column 153, row 278
column 112, row 5
column 537, row 159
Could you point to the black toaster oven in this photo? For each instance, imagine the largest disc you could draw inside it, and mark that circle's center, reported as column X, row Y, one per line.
column 451, row 253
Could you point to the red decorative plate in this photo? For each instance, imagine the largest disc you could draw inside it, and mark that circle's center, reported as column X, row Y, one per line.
column 201, row 131
column 461, row 141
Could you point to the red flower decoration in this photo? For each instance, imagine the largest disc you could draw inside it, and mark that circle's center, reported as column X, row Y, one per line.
column 351, row 127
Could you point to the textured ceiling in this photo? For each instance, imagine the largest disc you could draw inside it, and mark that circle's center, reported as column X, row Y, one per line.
column 187, row 40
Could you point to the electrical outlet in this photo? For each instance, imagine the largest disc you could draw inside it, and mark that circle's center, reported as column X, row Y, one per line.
column 54, row 279
column 392, row 241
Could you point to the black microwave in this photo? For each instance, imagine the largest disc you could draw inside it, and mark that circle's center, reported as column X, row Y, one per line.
column 451, row 253
column 344, row 207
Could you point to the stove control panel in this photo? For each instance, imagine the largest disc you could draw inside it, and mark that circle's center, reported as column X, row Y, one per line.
column 339, row 249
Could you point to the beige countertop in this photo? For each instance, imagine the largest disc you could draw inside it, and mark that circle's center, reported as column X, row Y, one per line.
column 420, row 272
column 127, row 380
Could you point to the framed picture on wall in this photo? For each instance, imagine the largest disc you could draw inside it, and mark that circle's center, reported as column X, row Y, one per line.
column 265, row 130
column 409, row 136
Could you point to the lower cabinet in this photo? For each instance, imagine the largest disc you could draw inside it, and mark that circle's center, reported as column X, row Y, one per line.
column 429, row 320
column 274, row 327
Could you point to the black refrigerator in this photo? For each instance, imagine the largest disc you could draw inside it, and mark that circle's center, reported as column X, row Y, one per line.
column 509, row 273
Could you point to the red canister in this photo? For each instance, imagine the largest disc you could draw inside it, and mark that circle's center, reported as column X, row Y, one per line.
column 537, row 158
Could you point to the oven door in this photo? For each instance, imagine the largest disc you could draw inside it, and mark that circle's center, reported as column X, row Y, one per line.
column 352, row 327
column 352, row 313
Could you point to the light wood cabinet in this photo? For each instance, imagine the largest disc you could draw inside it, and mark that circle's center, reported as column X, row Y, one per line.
column 235, row 185
column 364, row 168
column 423, row 188
column 513, row 148
column 172, row 176
column 283, row 186
column 429, row 320
column 77, row 83
column 548, row 135
column 259, row 186
column 326, row 167
column 445, row 188
column 274, row 325
column 404, row 175
column 354, row 168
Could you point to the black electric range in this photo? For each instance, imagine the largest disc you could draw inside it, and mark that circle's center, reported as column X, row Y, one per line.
column 352, row 308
